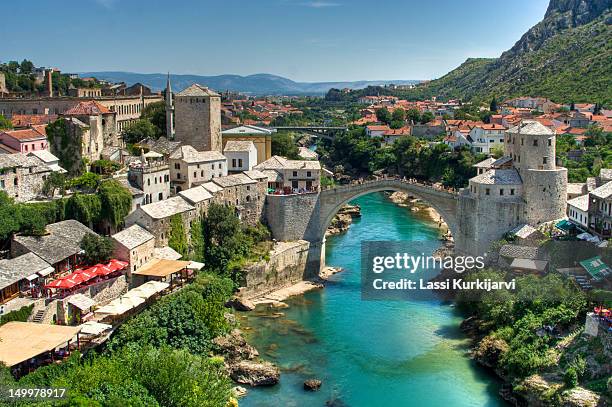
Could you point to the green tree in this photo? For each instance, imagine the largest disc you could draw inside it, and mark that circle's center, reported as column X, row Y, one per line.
column 5, row 123
column 427, row 117
column 178, row 238
column 383, row 115
column 413, row 115
column 224, row 239
column 54, row 181
column 156, row 114
column 493, row 105
column 140, row 130
column 497, row 152
column 283, row 144
column 13, row 66
column 87, row 182
column 9, row 218
column 26, row 67
column 31, row 221
column 97, row 249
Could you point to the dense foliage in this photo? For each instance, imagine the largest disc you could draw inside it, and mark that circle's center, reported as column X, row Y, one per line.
column 140, row 130
column 228, row 243
column 157, row 358
column 283, row 144
column 106, row 206
column 597, row 154
column 96, row 249
column 408, row 156
column 5, row 123
column 519, row 319
column 177, row 238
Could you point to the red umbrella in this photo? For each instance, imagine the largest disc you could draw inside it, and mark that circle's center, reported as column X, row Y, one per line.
column 86, row 275
column 101, row 270
column 115, row 264
column 67, row 282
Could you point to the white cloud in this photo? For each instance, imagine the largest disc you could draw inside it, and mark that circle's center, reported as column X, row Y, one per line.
column 109, row 4
column 319, row 4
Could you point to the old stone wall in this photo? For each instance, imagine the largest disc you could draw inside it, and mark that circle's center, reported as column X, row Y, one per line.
column 293, row 217
column 483, row 221
column 287, row 265
column 546, row 195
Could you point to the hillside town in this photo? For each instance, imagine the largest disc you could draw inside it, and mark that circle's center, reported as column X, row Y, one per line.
column 72, row 144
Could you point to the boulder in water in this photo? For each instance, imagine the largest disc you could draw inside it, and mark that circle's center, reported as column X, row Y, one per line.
column 312, row 384
column 254, row 373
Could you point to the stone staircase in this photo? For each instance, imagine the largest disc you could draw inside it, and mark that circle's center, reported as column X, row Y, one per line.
column 38, row 316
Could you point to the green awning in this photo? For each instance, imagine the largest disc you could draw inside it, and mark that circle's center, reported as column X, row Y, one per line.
column 565, row 225
column 595, row 267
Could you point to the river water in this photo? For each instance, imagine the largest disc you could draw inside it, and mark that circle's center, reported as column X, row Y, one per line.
column 368, row 353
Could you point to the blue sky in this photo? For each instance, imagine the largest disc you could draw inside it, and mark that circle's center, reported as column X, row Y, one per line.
column 304, row 40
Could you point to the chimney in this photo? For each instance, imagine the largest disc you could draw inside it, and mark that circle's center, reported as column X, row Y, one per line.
column 49, row 83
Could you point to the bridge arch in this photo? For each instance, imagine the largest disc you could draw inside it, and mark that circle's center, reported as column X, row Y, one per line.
column 332, row 200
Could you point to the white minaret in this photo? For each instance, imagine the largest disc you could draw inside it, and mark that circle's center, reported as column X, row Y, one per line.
column 169, row 110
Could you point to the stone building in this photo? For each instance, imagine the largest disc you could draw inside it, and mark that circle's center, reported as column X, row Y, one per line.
column 60, row 247
column 127, row 108
column 523, row 187
column 151, row 175
column 260, row 137
column 85, row 92
column 90, row 128
column 156, row 217
column 189, row 167
column 199, row 197
column 291, row 176
column 245, row 193
column 101, row 121
column 134, row 245
column 22, row 177
column 197, row 118
column 241, row 155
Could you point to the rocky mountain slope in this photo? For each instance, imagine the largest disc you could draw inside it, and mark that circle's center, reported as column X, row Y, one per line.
column 567, row 57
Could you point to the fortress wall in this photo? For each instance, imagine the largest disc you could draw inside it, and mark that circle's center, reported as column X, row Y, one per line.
column 546, row 194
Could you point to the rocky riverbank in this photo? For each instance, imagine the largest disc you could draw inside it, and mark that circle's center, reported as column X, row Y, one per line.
column 545, row 389
column 343, row 219
column 416, row 205
column 243, row 364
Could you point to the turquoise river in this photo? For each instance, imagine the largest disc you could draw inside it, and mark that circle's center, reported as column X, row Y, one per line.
column 368, row 353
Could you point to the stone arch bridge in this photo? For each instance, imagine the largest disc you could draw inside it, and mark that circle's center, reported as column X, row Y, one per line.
column 307, row 216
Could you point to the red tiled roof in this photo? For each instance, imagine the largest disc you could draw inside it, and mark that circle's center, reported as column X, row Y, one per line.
column 24, row 120
column 378, row 128
column 31, row 133
column 404, row 131
column 90, row 107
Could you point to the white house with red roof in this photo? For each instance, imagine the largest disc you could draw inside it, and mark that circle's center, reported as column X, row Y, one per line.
column 487, row 136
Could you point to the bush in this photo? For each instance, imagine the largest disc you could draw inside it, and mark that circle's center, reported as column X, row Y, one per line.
column 570, row 378
column 22, row 315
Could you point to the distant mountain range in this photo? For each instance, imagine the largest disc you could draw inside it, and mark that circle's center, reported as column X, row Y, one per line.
column 566, row 57
column 259, row 84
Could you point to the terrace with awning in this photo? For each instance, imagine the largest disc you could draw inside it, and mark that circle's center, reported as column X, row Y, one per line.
column 87, row 276
column 22, row 342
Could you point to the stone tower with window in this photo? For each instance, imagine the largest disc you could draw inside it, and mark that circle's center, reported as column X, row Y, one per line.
column 197, row 114
column 525, row 186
